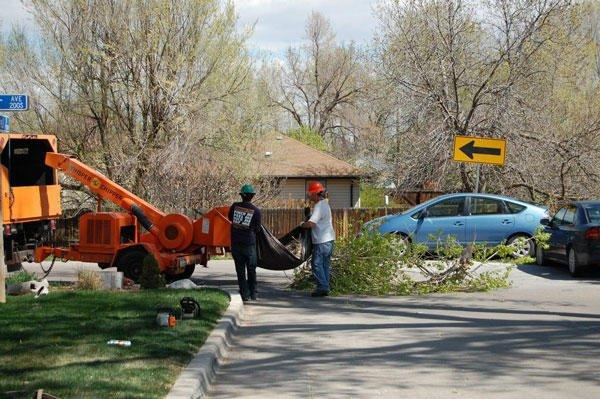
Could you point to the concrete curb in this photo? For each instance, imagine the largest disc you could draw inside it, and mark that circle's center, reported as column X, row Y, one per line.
column 194, row 380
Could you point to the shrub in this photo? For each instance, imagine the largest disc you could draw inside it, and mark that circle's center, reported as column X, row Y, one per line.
column 376, row 264
column 151, row 276
column 89, row 280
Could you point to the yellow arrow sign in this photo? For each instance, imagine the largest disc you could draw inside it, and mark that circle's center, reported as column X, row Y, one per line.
column 479, row 150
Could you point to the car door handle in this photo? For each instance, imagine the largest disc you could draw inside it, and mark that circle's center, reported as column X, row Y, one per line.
column 458, row 224
column 507, row 221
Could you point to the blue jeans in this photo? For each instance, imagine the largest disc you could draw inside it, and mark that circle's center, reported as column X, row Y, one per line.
column 244, row 257
column 321, row 261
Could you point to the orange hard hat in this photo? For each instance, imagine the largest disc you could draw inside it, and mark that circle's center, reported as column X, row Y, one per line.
column 315, row 187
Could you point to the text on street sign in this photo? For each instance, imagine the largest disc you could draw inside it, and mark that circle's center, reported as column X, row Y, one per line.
column 14, row 102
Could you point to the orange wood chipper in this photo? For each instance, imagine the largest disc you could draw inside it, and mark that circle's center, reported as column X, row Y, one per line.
column 115, row 239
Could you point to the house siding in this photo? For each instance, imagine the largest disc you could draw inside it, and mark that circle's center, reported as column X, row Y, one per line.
column 293, row 189
column 339, row 193
column 343, row 193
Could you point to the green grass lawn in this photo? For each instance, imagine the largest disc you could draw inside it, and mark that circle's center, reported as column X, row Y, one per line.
column 58, row 342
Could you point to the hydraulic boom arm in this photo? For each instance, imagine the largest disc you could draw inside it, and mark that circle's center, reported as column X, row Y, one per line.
column 106, row 189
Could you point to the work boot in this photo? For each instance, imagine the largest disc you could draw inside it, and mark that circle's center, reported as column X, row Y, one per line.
column 319, row 293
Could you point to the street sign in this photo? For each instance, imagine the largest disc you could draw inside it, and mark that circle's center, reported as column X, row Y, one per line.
column 14, row 102
column 479, row 150
column 4, row 124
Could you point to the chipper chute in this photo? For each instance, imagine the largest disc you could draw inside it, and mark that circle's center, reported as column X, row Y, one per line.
column 286, row 253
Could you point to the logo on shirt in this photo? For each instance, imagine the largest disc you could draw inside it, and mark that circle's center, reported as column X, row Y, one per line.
column 242, row 217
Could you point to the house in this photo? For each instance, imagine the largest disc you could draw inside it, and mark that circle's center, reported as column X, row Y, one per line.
column 294, row 164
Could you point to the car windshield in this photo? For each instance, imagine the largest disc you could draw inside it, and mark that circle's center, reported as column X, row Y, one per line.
column 593, row 213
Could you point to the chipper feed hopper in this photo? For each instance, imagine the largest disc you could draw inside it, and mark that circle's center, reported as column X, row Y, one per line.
column 29, row 195
column 115, row 239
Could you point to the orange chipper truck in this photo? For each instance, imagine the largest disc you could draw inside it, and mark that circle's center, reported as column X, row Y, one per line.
column 30, row 195
column 115, row 239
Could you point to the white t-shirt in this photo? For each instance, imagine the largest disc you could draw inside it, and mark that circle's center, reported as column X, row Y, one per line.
column 321, row 217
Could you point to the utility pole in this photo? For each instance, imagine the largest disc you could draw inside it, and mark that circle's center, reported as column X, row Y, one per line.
column 477, row 178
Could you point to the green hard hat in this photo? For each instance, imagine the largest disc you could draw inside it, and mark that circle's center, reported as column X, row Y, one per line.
column 247, row 189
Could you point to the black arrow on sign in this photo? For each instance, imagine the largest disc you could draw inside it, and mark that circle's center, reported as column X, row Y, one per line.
column 469, row 149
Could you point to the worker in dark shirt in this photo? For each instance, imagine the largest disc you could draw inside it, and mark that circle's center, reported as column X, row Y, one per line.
column 245, row 223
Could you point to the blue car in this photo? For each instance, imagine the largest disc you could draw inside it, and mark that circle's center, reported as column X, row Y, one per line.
column 468, row 217
column 574, row 237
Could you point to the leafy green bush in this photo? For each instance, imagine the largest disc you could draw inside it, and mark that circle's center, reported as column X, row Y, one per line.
column 374, row 197
column 151, row 276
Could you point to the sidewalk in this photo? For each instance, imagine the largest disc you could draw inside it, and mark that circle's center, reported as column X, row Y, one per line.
column 537, row 339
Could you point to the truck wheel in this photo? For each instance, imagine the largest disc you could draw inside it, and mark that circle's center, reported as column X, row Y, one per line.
column 131, row 264
column 187, row 273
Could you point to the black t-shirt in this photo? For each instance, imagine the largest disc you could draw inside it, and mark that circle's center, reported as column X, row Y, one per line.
column 245, row 222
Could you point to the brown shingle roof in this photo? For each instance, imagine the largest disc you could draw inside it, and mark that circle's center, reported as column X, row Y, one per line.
column 283, row 156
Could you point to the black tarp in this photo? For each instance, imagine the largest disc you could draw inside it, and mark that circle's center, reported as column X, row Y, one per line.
column 274, row 254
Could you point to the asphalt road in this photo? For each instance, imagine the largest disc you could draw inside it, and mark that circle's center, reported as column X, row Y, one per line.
column 538, row 339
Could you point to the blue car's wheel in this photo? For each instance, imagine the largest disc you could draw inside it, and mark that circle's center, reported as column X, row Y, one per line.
column 524, row 246
column 404, row 242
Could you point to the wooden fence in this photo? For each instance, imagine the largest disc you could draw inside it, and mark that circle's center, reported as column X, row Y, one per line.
column 279, row 221
column 347, row 221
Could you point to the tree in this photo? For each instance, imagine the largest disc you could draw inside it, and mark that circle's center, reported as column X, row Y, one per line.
column 318, row 79
column 142, row 89
column 454, row 69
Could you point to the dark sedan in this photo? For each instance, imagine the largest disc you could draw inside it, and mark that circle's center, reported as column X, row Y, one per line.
column 574, row 237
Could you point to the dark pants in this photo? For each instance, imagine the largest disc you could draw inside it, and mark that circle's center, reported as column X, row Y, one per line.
column 244, row 257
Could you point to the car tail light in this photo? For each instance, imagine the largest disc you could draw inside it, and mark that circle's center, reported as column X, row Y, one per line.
column 593, row 234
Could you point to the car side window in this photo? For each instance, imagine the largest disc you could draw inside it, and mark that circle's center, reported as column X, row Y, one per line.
column 486, row 206
column 569, row 216
column 447, row 208
column 558, row 218
column 593, row 213
column 513, row 207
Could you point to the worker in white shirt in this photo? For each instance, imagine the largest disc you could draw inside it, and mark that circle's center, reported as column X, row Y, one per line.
column 323, row 237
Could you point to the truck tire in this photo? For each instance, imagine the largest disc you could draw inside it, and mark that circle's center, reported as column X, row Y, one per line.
column 130, row 264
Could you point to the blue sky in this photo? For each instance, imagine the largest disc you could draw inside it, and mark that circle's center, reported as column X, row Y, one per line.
column 279, row 23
